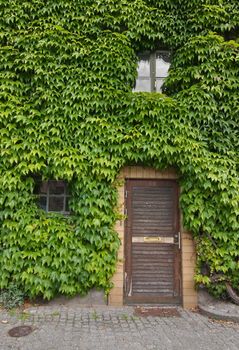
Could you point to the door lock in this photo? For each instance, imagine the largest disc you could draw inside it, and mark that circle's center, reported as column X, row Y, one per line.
column 178, row 236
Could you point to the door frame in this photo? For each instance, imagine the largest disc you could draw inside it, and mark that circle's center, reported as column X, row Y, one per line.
column 189, row 293
column 177, row 277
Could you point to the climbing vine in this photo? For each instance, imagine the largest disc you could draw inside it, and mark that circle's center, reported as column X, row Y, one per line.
column 67, row 111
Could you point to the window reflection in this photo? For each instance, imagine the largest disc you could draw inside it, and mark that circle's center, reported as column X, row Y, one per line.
column 43, row 187
column 159, row 84
column 56, row 204
column 162, row 64
column 143, row 85
column 144, row 66
column 42, row 203
column 56, row 187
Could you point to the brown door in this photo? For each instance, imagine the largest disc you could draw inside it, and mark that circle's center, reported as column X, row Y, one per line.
column 152, row 243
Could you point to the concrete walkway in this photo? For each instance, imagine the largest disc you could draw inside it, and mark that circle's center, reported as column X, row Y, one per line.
column 217, row 309
column 61, row 327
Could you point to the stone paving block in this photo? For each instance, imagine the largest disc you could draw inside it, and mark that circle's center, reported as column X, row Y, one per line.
column 81, row 328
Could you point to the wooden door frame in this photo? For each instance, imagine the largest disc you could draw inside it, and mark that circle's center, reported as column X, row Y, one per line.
column 129, row 182
column 189, row 294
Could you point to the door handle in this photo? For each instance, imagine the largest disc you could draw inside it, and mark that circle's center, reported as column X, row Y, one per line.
column 125, row 282
column 127, row 285
column 178, row 235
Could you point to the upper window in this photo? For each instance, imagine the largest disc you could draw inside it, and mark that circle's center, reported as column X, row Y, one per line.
column 152, row 70
column 53, row 196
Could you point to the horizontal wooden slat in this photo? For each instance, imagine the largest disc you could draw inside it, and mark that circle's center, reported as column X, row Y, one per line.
column 160, row 280
column 153, row 248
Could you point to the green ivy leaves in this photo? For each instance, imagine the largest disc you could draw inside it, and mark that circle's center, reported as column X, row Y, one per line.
column 67, row 111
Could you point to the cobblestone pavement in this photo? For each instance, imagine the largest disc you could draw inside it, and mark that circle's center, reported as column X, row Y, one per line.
column 107, row 328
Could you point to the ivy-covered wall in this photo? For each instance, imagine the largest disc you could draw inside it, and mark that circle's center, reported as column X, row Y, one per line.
column 67, row 111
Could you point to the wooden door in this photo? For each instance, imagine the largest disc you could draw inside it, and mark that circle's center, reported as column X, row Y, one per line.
column 152, row 243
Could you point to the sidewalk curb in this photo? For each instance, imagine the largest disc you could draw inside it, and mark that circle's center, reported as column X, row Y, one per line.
column 218, row 315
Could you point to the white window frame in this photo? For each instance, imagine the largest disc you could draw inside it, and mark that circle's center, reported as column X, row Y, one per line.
column 152, row 68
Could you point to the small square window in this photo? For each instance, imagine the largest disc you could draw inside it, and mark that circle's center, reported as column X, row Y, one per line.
column 152, row 70
column 53, row 196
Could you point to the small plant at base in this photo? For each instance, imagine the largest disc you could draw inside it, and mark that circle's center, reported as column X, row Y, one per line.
column 23, row 316
column 134, row 318
column 55, row 313
column 11, row 297
column 125, row 317
column 95, row 316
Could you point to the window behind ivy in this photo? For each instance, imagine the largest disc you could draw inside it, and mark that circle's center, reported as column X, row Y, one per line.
column 152, row 70
column 53, row 196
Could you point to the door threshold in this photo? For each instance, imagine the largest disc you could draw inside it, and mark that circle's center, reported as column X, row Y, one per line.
column 154, row 305
column 157, row 311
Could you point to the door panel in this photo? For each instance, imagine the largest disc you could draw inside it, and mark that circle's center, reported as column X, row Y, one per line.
column 152, row 269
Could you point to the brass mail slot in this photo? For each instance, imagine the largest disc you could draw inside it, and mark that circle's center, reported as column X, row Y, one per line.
column 153, row 239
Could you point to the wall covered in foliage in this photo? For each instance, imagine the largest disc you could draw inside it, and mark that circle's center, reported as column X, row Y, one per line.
column 67, row 111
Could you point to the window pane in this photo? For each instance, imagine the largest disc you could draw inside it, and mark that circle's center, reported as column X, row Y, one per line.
column 159, row 84
column 56, row 204
column 143, row 85
column 56, row 187
column 42, row 202
column 144, row 66
column 162, row 63
column 67, row 204
column 42, row 187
